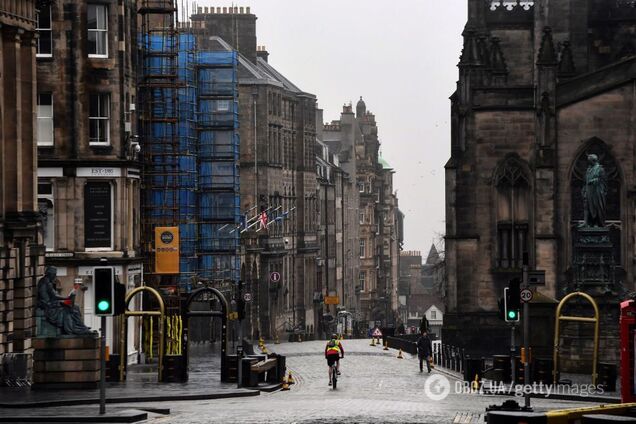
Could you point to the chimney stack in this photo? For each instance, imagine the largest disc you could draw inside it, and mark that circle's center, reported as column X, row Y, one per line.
column 262, row 52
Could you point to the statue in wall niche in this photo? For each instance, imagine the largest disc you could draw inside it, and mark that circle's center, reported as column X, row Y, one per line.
column 594, row 193
column 59, row 311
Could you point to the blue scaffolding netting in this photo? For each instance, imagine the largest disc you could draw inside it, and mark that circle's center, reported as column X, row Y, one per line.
column 218, row 170
column 191, row 154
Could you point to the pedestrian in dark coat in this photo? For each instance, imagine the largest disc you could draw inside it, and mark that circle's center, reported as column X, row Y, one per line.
column 424, row 351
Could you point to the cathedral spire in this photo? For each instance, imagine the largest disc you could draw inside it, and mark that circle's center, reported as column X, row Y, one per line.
column 470, row 52
column 547, row 52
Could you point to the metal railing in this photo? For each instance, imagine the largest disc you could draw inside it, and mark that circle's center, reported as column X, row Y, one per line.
column 448, row 356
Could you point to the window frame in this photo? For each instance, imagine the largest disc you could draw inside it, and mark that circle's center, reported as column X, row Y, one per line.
column 98, row 30
column 98, row 118
column 363, row 248
column 513, row 228
column 362, row 280
column 48, row 118
column 40, row 30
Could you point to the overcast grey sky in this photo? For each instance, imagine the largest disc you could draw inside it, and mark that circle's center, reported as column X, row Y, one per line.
column 401, row 56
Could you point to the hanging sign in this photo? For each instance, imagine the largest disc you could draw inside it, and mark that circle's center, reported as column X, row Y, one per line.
column 167, row 250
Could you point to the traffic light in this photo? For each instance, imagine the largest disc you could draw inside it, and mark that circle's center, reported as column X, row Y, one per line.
column 512, row 301
column 104, row 284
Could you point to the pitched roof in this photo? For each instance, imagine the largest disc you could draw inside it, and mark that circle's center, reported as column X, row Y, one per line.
column 260, row 72
column 433, row 256
column 425, row 301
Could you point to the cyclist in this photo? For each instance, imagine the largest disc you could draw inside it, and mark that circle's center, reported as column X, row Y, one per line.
column 333, row 352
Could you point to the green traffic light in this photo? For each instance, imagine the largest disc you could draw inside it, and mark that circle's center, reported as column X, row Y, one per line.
column 512, row 314
column 103, row 305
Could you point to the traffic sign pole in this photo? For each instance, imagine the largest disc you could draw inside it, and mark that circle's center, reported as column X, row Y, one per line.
column 526, row 341
column 102, row 372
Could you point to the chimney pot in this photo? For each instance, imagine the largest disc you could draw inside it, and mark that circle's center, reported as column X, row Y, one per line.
column 241, row 10
column 206, row 10
column 247, row 10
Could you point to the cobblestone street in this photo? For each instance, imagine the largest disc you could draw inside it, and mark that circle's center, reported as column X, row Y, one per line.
column 375, row 387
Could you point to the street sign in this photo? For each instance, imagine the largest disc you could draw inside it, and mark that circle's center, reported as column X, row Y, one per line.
column 525, row 295
column 274, row 277
column 376, row 333
column 536, row 278
column 247, row 297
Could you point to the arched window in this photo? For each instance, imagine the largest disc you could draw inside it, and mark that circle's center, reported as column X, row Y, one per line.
column 513, row 190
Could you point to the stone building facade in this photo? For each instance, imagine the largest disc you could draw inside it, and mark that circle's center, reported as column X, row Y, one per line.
column 354, row 138
column 21, row 252
column 88, row 169
column 542, row 84
column 278, row 176
column 338, row 237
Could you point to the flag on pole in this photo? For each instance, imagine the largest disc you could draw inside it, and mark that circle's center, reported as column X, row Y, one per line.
column 263, row 219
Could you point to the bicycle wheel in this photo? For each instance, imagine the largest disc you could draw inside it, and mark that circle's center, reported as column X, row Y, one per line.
column 334, row 376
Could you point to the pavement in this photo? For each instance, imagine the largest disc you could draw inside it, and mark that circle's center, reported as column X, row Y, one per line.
column 26, row 405
column 76, row 415
column 374, row 387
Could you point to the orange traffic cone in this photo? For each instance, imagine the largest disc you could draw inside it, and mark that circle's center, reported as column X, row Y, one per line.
column 290, row 379
column 400, row 355
column 285, row 384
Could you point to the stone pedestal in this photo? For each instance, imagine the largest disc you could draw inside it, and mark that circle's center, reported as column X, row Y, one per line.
column 595, row 269
column 66, row 362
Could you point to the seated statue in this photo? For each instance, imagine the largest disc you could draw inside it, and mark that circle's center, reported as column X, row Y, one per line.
column 59, row 311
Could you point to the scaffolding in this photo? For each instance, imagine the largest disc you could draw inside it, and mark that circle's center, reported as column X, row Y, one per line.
column 219, row 205
column 189, row 128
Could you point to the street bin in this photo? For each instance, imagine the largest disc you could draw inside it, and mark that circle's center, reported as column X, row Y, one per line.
column 501, row 363
column 607, row 376
column 249, row 379
column 112, row 368
column 542, row 370
column 473, row 367
column 174, row 369
column 232, row 367
column 520, row 371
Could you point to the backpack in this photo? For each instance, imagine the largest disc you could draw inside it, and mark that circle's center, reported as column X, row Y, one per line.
column 332, row 343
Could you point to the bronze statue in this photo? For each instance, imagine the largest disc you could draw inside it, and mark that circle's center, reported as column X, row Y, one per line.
column 59, row 311
column 594, row 193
